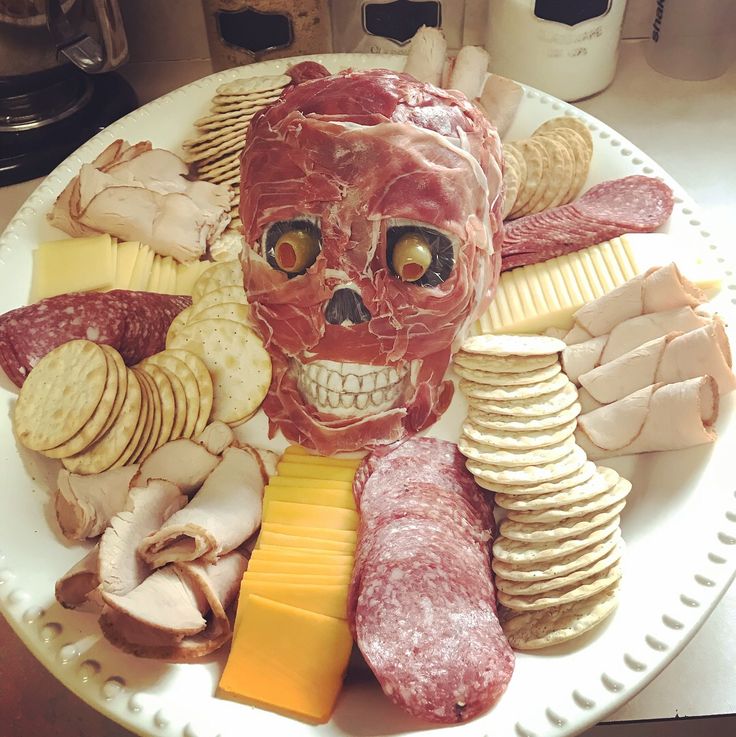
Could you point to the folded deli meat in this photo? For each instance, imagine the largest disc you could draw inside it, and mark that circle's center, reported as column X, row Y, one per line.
column 372, row 205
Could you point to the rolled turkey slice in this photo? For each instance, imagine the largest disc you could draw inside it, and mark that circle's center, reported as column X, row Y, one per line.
column 178, row 613
column 78, row 588
column 146, row 509
column 469, row 71
column 500, row 99
column 223, row 514
column 216, row 437
column 86, row 504
column 183, row 462
column 582, row 357
column 426, row 58
column 671, row 358
column 657, row 417
column 658, row 289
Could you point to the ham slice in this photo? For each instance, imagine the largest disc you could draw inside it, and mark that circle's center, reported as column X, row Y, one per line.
column 223, row 514
column 579, row 358
column 78, row 587
column 146, row 509
column 668, row 359
column 657, row 417
column 86, row 504
column 656, row 290
column 178, row 613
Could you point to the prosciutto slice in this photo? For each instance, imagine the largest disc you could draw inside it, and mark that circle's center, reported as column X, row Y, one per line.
column 657, row 417
column 671, row 358
column 579, row 358
column 222, row 515
column 178, row 613
column 656, row 290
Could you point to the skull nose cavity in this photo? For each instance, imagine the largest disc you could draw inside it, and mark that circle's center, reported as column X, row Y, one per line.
column 346, row 305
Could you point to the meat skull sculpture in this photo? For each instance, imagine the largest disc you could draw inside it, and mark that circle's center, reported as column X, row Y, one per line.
column 372, row 206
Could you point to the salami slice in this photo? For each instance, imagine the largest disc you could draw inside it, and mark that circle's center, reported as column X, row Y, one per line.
column 632, row 204
column 134, row 323
column 422, row 603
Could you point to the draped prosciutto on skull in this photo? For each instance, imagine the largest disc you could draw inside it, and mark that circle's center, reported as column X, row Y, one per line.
column 371, row 203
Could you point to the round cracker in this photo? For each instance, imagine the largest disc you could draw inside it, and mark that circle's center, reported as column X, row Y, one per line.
column 495, row 456
column 511, row 393
column 580, row 144
column 235, row 311
column 228, row 146
column 154, row 407
column 617, row 493
column 538, row 629
column 179, row 321
column 573, row 160
column 537, row 162
column 503, row 364
column 518, row 440
column 516, row 551
column 529, row 475
column 567, row 121
column 509, row 423
column 519, row 346
column 565, row 595
column 100, row 420
column 557, row 176
column 538, row 586
column 166, row 359
column 559, row 529
column 498, row 378
column 180, row 402
column 537, row 570
column 102, row 454
column 166, row 396
column 222, row 274
column 141, row 432
column 544, row 404
column 209, row 141
column 219, row 295
column 511, row 184
column 60, row 394
column 574, row 478
column 239, row 388
column 204, row 383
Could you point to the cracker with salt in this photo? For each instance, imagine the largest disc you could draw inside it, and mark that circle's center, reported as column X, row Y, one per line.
column 529, row 475
column 494, row 456
column 477, row 390
column 503, row 364
column 559, row 529
column 576, row 477
column 496, row 378
column 504, row 346
column 509, row 423
column 518, row 440
column 539, row 629
column 542, row 405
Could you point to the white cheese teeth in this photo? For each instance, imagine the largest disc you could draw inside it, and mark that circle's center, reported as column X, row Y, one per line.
column 350, row 389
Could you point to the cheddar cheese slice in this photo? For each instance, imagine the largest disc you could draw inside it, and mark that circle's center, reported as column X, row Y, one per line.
column 329, row 599
column 312, row 543
column 323, row 533
column 293, row 555
column 331, row 579
column 286, row 658
column 309, row 515
column 297, row 454
column 315, row 471
column 309, row 483
column 342, row 498
column 261, row 565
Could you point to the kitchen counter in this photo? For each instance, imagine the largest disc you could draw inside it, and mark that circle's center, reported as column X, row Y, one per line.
column 687, row 127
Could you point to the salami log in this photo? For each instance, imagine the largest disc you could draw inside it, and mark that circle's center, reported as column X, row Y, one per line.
column 634, row 204
column 135, row 323
column 422, row 602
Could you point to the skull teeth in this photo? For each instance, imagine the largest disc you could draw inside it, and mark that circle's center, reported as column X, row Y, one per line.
column 350, row 389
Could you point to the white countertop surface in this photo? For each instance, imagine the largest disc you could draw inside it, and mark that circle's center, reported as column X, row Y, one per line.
column 688, row 128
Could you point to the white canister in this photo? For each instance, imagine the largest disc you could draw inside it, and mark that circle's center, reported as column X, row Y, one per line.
column 568, row 48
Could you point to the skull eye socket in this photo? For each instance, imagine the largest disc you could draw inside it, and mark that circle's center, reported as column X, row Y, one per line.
column 292, row 246
column 419, row 255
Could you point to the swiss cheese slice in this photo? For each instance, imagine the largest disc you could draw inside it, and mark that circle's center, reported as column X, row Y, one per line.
column 127, row 254
column 142, row 269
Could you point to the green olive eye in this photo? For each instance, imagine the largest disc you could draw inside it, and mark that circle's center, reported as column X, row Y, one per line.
column 411, row 257
column 295, row 251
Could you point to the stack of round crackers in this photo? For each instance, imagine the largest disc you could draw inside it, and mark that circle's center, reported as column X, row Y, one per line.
column 556, row 558
column 214, row 152
column 547, row 169
column 82, row 405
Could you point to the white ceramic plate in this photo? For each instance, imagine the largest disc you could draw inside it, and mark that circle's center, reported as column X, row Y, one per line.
column 680, row 521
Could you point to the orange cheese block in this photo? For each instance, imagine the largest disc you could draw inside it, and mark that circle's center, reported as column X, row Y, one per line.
column 342, row 498
column 299, row 483
column 294, row 555
column 276, row 539
column 309, row 515
column 287, row 658
column 260, row 565
column 323, row 533
column 314, row 578
column 304, row 456
column 328, row 599
column 315, row 471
